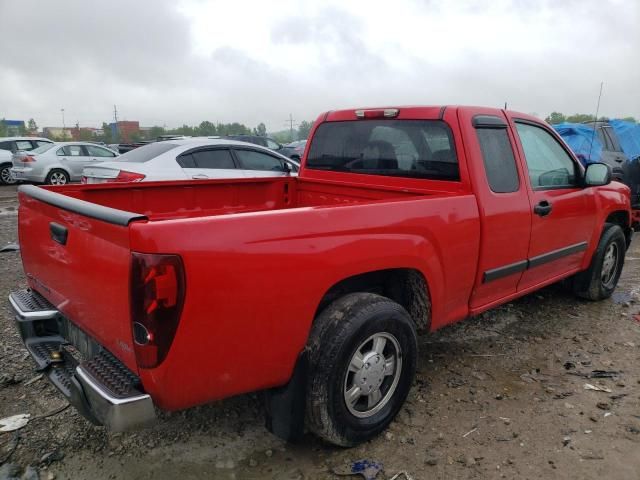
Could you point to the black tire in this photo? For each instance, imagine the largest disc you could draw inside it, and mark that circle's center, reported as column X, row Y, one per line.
column 341, row 330
column 55, row 174
column 5, row 175
column 595, row 283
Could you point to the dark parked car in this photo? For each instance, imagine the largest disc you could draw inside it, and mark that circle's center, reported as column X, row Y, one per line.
column 270, row 143
column 624, row 169
column 294, row 150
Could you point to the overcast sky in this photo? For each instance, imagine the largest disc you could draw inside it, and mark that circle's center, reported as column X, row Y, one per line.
column 173, row 62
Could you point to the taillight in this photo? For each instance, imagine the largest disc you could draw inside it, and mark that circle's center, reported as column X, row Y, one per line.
column 157, row 296
column 27, row 159
column 124, row 176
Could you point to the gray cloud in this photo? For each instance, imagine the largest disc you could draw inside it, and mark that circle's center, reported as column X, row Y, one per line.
column 140, row 55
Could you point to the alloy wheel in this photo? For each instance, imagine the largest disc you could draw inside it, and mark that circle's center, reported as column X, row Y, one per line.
column 373, row 374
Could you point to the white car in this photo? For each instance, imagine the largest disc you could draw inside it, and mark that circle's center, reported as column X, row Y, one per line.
column 11, row 145
column 191, row 158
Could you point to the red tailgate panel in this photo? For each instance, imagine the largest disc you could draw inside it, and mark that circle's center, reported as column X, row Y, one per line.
column 87, row 279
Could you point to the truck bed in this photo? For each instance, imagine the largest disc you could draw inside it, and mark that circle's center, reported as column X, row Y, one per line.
column 240, row 267
column 189, row 199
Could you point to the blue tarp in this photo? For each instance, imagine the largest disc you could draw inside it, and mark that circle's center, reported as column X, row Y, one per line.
column 582, row 140
column 629, row 135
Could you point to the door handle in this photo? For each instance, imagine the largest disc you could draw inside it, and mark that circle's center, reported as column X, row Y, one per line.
column 200, row 176
column 58, row 232
column 543, row 208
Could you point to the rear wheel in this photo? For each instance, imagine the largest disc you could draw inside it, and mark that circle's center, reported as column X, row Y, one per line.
column 601, row 278
column 57, row 177
column 5, row 174
column 362, row 352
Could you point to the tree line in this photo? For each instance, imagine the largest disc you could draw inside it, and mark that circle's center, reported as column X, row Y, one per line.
column 204, row 129
column 557, row 117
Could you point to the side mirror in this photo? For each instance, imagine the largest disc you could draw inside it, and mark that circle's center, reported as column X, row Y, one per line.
column 597, row 174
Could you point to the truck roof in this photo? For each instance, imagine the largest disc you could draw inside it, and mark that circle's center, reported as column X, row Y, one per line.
column 416, row 111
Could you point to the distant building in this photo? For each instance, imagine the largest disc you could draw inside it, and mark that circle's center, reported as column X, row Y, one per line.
column 58, row 133
column 14, row 127
column 84, row 133
column 124, row 129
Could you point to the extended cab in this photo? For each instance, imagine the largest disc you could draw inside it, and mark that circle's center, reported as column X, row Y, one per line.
column 311, row 288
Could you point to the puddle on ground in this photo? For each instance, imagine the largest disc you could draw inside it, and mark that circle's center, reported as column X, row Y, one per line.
column 620, row 297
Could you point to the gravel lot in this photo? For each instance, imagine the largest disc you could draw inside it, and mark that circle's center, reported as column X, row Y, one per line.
column 499, row 396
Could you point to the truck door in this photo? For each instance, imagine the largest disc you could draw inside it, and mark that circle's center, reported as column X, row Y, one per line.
column 563, row 219
column 505, row 215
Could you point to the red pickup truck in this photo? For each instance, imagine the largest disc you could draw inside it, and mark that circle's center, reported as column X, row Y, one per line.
column 309, row 288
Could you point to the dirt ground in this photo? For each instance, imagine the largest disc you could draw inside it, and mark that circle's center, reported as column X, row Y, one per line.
column 499, row 396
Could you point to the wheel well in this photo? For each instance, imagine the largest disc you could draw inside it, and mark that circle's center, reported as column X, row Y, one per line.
column 405, row 286
column 621, row 218
column 57, row 167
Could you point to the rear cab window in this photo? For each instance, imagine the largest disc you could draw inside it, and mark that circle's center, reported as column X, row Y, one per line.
column 400, row 148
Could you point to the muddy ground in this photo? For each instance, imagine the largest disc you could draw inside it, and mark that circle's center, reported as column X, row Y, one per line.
column 500, row 396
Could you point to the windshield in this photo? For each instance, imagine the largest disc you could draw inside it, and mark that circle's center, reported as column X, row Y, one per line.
column 403, row 148
column 42, row 148
column 146, row 152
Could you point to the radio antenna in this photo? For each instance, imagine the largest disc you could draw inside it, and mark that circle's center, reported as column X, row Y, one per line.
column 593, row 133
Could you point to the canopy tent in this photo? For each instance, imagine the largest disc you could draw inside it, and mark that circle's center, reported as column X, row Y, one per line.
column 582, row 140
column 629, row 135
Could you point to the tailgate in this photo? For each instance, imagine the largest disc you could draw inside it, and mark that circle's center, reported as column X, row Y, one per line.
column 76, row 254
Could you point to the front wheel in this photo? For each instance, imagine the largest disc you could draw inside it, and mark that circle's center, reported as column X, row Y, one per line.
column 362, row 352
column 601, row 278
column 6, row 178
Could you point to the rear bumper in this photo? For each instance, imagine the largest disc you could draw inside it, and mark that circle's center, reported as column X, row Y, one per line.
column 99, row 386
column 26, row 174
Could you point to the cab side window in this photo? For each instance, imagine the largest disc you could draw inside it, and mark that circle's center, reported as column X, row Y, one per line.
column 549, row 165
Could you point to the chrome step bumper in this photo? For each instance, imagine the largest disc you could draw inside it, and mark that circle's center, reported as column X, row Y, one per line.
column 101, row 388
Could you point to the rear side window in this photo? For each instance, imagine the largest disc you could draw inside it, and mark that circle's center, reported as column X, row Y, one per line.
column 146, row 152
column 603, row 139
column 401, row 148
column 41, row 143
column 613, row 139
column 6, row 146
column 24, row 145
column 73, row 150
column 99, row 152
column 252, row 160
column 499, row 162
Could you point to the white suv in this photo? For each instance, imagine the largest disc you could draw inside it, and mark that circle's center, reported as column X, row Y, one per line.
column 11, row 145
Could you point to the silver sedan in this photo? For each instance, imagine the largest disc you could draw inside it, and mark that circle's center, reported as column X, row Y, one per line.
column 58, row 163
column 192, row 158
